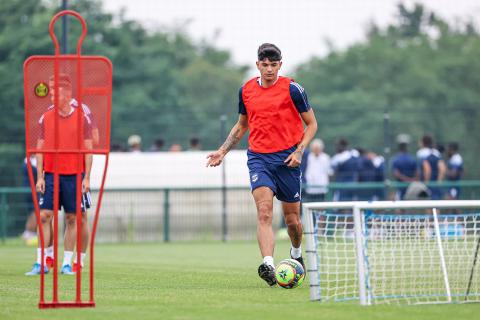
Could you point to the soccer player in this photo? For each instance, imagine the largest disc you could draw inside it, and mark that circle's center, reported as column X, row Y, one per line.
column 346, row 165
column 431, row 166
column 275, row 110
column 404, row 165
column 454, row 169
column 68, row 167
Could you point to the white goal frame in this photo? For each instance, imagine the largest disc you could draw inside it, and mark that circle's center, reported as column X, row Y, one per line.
column 358, row 209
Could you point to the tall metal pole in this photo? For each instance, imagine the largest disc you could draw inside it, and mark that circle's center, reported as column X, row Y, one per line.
column 223, row 128
column 64, row 45
column 386, row 147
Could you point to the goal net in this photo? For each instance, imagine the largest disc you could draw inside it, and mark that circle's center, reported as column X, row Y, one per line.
column 393, row 252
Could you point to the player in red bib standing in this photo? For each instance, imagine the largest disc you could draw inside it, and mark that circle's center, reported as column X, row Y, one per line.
column 281, row 123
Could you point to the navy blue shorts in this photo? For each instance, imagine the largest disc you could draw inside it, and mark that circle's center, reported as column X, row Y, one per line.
column 67, row 194
column 269, row 170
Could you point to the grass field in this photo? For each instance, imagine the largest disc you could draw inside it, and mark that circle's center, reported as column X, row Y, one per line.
column 187, row 281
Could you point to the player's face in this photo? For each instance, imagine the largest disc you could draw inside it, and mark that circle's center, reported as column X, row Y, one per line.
column 269, row 69
column 64, row 93
column 316, row 150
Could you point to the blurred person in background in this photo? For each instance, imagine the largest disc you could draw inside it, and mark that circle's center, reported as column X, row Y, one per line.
column 157, row 145
column 431, row 166
column 317, row 173
column 345, row 164
column 194, row 144
column 30, row 233
column 275, row 110
column 454, row 169
column 404, row 165
column 175, row 147
column 134, row 143
column 379, row 169
column 366, row 174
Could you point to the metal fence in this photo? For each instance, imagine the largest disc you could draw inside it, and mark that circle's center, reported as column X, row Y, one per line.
column 178, row 214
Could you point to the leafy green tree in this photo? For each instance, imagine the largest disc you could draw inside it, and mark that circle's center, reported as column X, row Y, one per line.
column 422, row 71
column 165, row 84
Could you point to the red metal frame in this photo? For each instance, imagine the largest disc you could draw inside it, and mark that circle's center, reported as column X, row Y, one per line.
column 80, row 151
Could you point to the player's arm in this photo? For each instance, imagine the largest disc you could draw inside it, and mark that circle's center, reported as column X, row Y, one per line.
column 89, row 140
column 427, row 171
column 442, row 170
column 300, row 100
column 295, row 158
column 88, row 166
column 397, row 174
column 40, row 185
column 235, row 135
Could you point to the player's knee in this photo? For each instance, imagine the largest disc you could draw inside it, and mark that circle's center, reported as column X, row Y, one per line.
column 292, row 220
column 265, row 214
column 70, row 220
column 45, row 216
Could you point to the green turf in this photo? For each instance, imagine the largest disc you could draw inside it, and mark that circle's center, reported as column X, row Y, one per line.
column 188, row 281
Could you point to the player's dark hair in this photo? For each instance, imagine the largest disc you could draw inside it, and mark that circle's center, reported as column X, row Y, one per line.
column 194, row 142
column 453, row 146
column 441, row 148
column 342, row 144
column 269, row 51
column 63, row 80
column 427, row 141
column 403, row 146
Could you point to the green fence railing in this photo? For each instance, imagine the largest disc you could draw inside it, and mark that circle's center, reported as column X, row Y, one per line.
column 172, row 214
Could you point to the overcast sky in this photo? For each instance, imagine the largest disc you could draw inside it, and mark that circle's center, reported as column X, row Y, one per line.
column 298, row 27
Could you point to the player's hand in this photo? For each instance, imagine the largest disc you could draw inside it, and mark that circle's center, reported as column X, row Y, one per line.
column 294, row 159
column 40, row 186
column 85, row 185
column 215, row 158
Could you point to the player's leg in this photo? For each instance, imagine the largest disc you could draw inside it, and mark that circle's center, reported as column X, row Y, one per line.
column 86, row 204
column 69, row 188
column 45, row 203
column 263, row 197
column 289, row 185
column 49, row 260
column 291, row 213
column 45, row 220
column 68, row 200
column 69, row 242
column 30, row 233
column 263, row 190
column 85, row 238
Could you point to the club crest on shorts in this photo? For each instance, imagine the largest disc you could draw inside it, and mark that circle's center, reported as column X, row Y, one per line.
column 41, row 89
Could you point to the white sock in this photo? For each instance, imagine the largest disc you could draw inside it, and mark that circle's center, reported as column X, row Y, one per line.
column 67, row 257
column 82, row 258
column 39, row 255
column 296, row 252
column 49, row 252
column 269, row 261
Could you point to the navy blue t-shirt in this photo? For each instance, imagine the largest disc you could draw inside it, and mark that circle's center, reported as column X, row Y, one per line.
column 346, row 166
column 405, row 164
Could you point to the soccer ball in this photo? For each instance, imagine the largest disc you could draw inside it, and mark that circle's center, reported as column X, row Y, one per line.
column 289, row 273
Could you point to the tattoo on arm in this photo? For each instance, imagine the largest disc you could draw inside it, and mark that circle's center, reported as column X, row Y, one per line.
column 232, row 139
column 300, row 150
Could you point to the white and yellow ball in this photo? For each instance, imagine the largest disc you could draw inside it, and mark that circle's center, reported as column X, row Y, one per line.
column 289, row 273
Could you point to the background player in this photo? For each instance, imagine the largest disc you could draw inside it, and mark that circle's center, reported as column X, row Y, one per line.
column 273, row 108
column 68, row 167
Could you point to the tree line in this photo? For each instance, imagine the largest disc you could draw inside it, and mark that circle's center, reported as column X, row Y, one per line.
column 420, row 70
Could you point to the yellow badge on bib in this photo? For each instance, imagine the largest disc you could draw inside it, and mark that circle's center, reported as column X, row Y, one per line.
column 41, row 90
